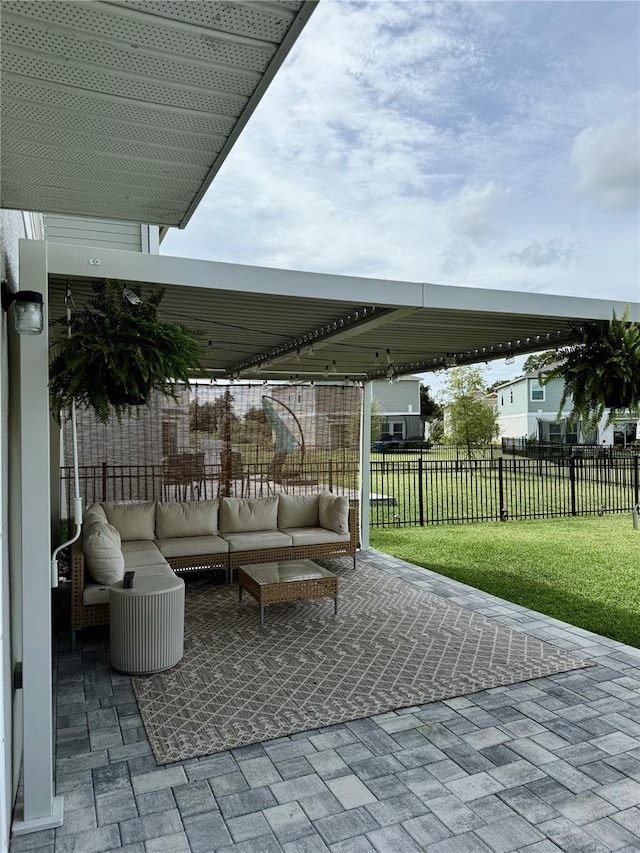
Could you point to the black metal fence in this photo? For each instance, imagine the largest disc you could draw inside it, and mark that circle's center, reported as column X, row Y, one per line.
column 531, row 448
column 403, row 491
column 416, row 492
column 108, row 482
column 439, row 452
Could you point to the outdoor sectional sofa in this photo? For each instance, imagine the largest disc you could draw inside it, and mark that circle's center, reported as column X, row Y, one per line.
column 156, row 538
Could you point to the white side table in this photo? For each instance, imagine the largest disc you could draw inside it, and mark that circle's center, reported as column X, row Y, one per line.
column 147, row 624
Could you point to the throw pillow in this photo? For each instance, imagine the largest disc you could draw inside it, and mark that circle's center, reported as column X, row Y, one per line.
column 103, row 559
column 247, row 515
column 94, row 512
column 298, row 511
column 190, row 518
column 334, row 512
column 132, row 521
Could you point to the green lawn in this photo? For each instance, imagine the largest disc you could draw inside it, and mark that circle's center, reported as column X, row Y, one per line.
column 583, row 570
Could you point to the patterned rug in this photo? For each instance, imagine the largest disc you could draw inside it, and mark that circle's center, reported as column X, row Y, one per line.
column 391, row 646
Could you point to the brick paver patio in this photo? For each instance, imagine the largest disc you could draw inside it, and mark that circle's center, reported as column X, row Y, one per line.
column 541, row 766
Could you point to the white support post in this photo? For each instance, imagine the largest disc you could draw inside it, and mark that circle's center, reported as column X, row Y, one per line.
column 365, row 466
column 40, row 809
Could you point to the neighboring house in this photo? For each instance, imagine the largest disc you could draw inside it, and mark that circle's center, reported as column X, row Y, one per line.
column 530, row 410
column 399, row 409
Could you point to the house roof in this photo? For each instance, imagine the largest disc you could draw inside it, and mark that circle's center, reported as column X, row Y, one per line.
column 284, row 324
column 126, row 110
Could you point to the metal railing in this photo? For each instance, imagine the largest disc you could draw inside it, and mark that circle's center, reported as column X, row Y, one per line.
column 416, row 492
column 105, row 482
column 530, row 448
column 403, row 491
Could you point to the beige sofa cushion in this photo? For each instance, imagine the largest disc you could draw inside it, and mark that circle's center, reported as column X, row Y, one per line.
column 192, row 546
column 137, row 559
column 246, row 515
column 104, row 561
column 257, row 541
column 298, row 511
column 92, row 513
column 160, row 567
column 191, row 518
column 139, row 545
column 94, row 593
column 132, row 521
column 314, row 536
column 333, row 512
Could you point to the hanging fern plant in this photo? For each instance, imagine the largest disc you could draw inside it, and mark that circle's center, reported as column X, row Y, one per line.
column 118, row 352
column 601, row 371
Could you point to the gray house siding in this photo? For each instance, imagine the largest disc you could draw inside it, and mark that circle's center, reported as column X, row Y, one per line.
column 512, row 399
column 399, row 409
column 552, row 397
column 82, row 231
column 402, row 397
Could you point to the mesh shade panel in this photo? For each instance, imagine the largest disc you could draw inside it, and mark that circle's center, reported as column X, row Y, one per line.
column 234, row 440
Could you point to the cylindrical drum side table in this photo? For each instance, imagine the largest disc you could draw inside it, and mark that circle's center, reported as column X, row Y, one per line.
column 147, row 624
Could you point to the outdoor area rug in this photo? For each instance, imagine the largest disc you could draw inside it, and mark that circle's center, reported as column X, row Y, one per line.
column 392, row 645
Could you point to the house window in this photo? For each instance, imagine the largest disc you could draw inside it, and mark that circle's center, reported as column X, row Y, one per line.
column 397, row 430
column 511, row 395
column 537, row 392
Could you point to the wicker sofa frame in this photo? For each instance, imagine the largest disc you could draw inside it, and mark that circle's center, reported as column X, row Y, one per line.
column 94, row 615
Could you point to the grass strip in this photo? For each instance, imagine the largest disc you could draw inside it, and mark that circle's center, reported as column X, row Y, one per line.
column 584, row 570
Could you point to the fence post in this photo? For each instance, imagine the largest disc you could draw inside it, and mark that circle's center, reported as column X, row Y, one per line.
column 636, row 480
column 421, row 491
column 572, row 482
column 104, row 482
column 501, row 488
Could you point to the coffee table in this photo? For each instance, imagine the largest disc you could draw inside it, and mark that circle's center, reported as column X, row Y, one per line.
column 274, row 583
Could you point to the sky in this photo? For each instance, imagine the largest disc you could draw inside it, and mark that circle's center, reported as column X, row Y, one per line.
column 483, row 144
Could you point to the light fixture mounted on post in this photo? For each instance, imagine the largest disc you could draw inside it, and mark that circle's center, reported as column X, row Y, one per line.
column 28, row 316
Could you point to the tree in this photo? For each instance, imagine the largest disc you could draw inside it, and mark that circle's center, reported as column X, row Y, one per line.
column 376, row 420
column 210, row 416
column 539, row 360
column 471, row 419
column 257, row 427
column 430, row 411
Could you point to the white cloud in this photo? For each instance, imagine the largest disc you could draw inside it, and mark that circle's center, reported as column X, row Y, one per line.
column 548, row 253
column 432, row 142
column 607, row 159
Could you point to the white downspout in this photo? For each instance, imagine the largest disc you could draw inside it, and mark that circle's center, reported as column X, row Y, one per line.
column 77, row 500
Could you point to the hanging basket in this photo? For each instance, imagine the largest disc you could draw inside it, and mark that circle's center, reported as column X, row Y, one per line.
column 119, row 396
column 116, row 350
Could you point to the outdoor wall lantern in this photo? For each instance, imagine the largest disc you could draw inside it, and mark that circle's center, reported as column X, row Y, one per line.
column 28, row 315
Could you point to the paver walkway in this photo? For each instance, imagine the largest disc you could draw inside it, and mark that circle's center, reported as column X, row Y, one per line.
column 550, row 764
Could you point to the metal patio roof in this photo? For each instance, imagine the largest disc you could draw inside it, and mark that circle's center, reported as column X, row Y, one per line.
column 263, row 323
column 126, row 109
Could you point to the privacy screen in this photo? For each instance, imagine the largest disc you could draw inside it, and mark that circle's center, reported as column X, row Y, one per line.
column 234, row 440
